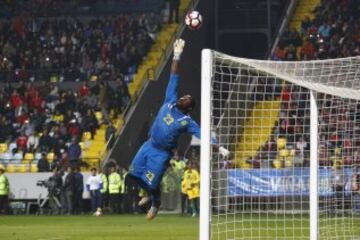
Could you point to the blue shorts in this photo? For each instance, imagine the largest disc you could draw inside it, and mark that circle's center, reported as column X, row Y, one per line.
column 150, row 164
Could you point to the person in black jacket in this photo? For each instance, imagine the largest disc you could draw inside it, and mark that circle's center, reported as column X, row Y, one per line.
column 174, row 8
column 70, row 190
column 78, row 199
column 43, row 164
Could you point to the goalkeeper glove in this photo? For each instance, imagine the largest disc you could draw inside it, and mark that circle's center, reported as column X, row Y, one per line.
column 224, row 152
column 178, row 48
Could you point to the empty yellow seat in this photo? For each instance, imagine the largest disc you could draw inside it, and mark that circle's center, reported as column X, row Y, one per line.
column 281, row 143
column 10, row 168
column 93, row 162
column 28, row 157
column 283, row 153
column 50, row 156
column 87, row 136
column 3, row 147
column 289, row 161
column 33, row 168
column 22, row 168
column 277, row 164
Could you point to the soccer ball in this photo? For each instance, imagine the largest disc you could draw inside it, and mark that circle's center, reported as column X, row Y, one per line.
column 193, row 20
column 98, row 212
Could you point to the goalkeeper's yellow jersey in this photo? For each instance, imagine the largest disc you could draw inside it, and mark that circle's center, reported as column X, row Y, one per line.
column 191, row 183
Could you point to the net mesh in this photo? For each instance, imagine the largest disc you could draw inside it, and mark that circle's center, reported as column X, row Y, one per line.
column 261, row 113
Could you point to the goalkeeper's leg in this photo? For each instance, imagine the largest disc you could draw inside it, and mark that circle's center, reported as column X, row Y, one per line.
column 151, row 195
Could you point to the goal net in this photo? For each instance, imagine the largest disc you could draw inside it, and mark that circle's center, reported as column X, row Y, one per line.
column 293, row 130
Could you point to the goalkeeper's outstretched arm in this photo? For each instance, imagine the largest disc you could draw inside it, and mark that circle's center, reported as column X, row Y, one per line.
column 171, row 91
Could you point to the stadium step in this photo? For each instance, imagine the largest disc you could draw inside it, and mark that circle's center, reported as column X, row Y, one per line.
column 257, row 129
column 303, row 9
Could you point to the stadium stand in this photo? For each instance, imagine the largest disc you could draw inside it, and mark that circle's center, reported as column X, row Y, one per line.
column 73, row 45
column 28, row 129
column 318, row 30
column 73, row 49
column 55, row 8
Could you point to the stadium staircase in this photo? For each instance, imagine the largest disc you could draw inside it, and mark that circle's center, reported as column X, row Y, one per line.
column 156, row 55
column 303, row 9
column 95, row 150
column 257, row 130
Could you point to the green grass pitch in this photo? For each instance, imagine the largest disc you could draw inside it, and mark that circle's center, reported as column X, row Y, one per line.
column 119, row 227
column 164, row 227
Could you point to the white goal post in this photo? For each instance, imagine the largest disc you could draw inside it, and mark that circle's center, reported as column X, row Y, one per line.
column 293, row 130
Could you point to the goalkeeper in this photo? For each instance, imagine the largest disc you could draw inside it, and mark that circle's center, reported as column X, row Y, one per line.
column 173, row 118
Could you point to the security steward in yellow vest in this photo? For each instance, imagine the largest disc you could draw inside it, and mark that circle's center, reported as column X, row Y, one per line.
column 4, row 192
column 104, row 191
column 115, row 183
column 191, row 184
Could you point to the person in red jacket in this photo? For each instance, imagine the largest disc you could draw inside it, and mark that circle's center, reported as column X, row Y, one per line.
column 74, row 128
column 37, row 101
column 84, row 89
column 21, row 142
column 15, row 99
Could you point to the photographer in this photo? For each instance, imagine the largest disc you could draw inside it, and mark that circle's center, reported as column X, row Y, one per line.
column 53, row 185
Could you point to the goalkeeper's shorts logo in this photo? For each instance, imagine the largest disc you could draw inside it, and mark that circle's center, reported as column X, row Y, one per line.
column 150, row 176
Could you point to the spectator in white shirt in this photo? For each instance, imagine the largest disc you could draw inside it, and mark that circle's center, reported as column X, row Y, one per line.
column 94, row 185
column 32, row 143
column 300, row 147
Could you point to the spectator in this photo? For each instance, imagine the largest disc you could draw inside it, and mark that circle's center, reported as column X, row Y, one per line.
column 338, row 187
column 74, row 152
column 21, row 142
column 43, row 163
column 191, row 180
column 109, row 134
column 94, row 185
column 174, row 10
column 70, row 190
column 84, row 89
column 32, row 143
column 300, row 147
column 90, row 123
column 78, row 198
column 4, row 192
column 45, row 141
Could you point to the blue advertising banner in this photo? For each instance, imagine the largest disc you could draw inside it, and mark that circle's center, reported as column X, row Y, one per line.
column 284, row 182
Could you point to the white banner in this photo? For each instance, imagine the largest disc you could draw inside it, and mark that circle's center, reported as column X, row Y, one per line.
column 23, row 185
